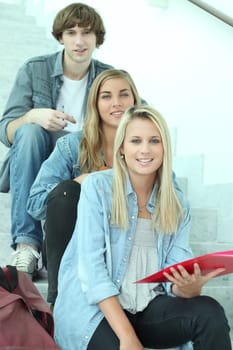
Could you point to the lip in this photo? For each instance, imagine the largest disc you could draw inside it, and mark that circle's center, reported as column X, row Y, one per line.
column 79, row 51
column 117, row 114
column 145, row 161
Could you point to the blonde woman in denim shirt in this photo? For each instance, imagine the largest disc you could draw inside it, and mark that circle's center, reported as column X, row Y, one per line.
column 55, row 192
column 132, row 222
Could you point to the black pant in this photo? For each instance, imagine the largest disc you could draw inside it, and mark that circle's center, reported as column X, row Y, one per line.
column 169, row 322
column 59, row 225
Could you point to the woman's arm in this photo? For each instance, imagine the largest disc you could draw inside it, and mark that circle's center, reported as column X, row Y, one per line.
column 58, row 167
column 120, row 324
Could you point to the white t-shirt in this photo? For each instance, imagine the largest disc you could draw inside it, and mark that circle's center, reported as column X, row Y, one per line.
column 71, row 101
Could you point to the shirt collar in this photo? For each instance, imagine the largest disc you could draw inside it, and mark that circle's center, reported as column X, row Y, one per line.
column 58, row 66
column 129, row 191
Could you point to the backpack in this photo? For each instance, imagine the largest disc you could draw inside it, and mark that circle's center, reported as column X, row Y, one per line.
column 26, row 321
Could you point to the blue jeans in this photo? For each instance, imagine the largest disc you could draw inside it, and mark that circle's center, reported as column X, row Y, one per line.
column 32, row 145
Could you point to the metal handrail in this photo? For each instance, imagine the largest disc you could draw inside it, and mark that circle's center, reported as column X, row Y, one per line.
column 213, row 11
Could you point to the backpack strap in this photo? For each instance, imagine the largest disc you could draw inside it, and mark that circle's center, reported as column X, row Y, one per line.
column 12, row 276
column 3, row 281
column 9, row 278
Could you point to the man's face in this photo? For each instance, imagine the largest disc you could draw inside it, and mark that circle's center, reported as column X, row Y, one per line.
column 79, row 44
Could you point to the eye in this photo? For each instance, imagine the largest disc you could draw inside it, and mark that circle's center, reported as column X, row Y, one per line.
column 105, row 96
column 125, row 94
column 155, row 140
column 86, row 32
column 136, row 141
column 70, row 32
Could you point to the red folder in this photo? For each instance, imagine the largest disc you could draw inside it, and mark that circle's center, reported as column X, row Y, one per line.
column 207, row 263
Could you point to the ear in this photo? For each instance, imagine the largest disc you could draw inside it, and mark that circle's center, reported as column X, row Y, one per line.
column 61, row 40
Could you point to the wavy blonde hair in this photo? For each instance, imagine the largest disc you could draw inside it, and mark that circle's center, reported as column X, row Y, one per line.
column 168, row 209
column 90, row 158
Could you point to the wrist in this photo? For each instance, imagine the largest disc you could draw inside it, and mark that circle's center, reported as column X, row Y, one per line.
column 27, row 117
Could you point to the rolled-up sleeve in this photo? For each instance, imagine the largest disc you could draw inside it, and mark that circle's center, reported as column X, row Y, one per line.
column 179, row 248
column 95, row 277
column 58, row 167
column 19, row 101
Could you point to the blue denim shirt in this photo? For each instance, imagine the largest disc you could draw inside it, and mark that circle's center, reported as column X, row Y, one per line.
column 95, row 261
column 62, row 164
column 37, row 85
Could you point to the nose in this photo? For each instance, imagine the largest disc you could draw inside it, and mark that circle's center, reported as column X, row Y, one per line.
column 116, row 101
column 144, row 147
column 78, row 39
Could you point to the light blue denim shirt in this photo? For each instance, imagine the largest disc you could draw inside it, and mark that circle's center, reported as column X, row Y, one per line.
column 62, row 164
column 95, row 261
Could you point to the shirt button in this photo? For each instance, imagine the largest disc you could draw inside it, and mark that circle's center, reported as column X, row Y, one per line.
column 118, row 281
column 129, row 238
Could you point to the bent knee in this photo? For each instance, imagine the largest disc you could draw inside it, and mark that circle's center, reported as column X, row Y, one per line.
column 31, row 132
column 211, row 309
column 65, row 189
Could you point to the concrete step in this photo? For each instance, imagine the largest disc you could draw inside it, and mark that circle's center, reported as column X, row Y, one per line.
column 14, row 11
column 23, row 25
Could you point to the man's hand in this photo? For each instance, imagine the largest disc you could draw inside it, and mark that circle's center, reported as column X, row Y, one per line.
column 49, row 119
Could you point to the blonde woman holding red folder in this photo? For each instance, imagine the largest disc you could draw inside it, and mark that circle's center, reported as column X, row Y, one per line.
column 132, row 220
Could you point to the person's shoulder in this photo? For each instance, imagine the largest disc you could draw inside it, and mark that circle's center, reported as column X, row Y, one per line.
column 101, row 65
column 182, row 197
column 73, row 137
column 42, row 58
column 99, row 179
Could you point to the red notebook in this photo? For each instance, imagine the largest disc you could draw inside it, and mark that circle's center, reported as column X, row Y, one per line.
column 207, row 263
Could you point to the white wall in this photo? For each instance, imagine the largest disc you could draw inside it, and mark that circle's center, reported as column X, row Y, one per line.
column 181, row 59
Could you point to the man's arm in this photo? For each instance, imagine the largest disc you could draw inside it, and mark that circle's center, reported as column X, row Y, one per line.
column 47, row 118
column 30, row 101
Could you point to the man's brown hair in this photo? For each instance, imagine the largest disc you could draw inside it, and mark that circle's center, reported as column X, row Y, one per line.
column 81, row 14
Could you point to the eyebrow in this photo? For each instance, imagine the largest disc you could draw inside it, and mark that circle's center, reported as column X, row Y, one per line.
column 109, row 92
column 153, row 136
column 73, row 28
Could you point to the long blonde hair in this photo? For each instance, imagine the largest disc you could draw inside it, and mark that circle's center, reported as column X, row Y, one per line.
column 90, row 158
column 168, row 209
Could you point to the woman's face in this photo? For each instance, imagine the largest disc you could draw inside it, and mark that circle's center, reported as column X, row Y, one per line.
column 115, row 96
column 142, row 148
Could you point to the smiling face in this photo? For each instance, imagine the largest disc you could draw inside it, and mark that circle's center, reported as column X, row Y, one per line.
column 115, row 96
column 79, row 44
column 142, row 149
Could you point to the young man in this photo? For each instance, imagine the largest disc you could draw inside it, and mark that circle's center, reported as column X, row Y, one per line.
column 47, row 100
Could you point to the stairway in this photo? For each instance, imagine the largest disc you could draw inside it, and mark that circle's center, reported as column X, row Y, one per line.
column 212, row 222
column 21, row 38
column 211, row 205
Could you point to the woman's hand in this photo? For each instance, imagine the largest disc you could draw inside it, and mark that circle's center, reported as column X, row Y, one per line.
column 80, row 178
column 120, row 324
column 188, row 285
column 130, row 343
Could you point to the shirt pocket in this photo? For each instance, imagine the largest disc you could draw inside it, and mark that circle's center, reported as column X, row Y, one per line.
column 41, row 101
column 115, row 233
